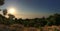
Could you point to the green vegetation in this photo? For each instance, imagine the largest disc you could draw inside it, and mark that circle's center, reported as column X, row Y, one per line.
column 36, row 22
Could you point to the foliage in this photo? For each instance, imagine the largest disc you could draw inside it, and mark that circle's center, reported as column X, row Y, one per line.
column 36, row 22
column 1, row 2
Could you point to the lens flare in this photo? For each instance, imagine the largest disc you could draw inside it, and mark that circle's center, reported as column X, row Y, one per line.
column 11, row 11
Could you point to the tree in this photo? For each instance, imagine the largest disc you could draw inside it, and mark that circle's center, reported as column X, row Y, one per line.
column 57, row 18
column 20, row 21
column 4, row 11
column 51, row 20
column 11, row 17
column 1, row 2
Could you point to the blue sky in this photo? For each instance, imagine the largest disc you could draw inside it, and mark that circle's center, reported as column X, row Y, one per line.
column 33, row 8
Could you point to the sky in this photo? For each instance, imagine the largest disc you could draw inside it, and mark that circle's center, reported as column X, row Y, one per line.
column 32, row 8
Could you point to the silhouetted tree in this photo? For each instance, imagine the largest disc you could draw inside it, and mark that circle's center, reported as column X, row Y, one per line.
column 11, row 17
column 49, row 20
column 26, row 22
column 40, row 22
column 1, row 18
column 20, row 21
column 57, row 18
column 1, row 2
column 4, row 11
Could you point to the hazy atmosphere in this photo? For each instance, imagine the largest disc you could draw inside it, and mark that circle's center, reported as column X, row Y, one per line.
column 29, row 15
column 32, row 8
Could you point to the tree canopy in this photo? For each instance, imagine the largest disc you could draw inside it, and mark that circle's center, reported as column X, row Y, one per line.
column 1, row 2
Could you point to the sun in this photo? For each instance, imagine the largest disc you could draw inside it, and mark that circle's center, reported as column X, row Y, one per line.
column 11, row 11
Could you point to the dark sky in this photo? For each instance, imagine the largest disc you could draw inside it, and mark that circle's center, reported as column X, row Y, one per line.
column 33, row 8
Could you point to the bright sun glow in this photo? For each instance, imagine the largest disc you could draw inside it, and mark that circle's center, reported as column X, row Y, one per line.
column 11, row 11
